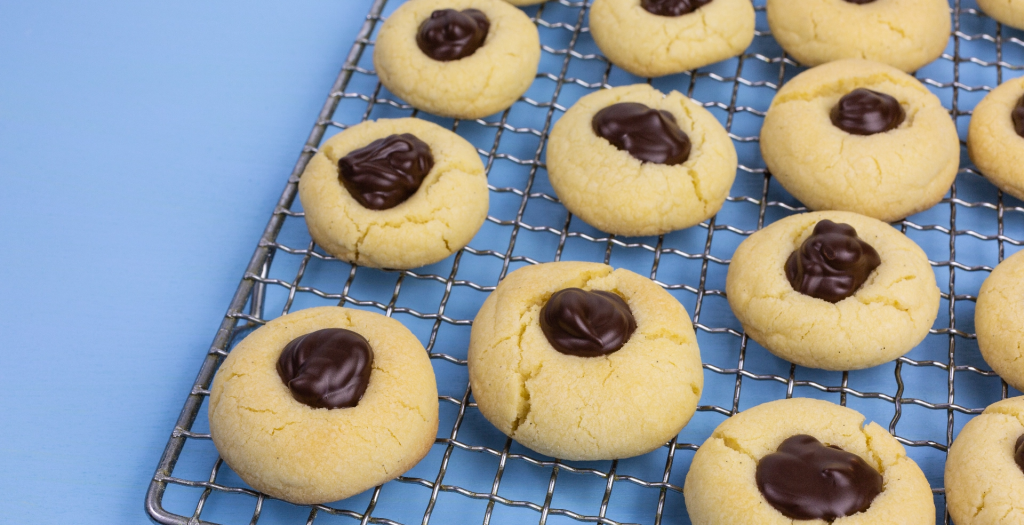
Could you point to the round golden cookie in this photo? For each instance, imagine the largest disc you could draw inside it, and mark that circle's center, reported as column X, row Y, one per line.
column 617, row 405
column 983, row 481
column 650, row 45
column 720, row 488
column 999, row 320
column 1009, row 12
column 438, row 220
column 615, row 192
column 905, row 34
column 992, row 141
column 885, row 318
column 887, row 175
column 307, row 455
column 484, row 83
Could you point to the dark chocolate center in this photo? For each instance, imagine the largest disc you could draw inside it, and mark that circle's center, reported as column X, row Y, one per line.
column 860, row 2
column 386, row 172
column 1018, row 452
column 832, row 263
column 672, row 7
column 586, row 324
column 1018, row 117
column 329, row 368
column 450, row 35
column 866, row 112
column 805, row 480
column 647, row 134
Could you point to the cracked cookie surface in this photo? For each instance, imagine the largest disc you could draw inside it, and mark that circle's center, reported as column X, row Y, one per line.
column 307, row 455
column 983, row 482
column 481, row 84
column 885, row 318
column 439, row 219
column 618, row 405
column 720, row 486
column 617, row 193
column 650, row 45
column 887, row 175
column 999, row 320
column 992, row 140
column 905, row 34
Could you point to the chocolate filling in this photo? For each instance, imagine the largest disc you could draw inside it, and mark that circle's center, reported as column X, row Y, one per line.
column 386, row 172
column 1018, row 117
column 832, row 263
column 672, row 7
column 586, row 324
column 805, row 480
column 329, row 368
column 450, row 35
column 647, row 134
column 866, row 112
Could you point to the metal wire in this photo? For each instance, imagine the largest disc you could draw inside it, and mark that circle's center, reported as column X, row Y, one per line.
column 561, row 23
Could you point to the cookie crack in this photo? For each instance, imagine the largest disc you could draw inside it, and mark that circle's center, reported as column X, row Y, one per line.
column 257, row 410
column 403, row 404
column 889, row 302
column 733, row 444
column 239, row 404
column 282, row 427
column 393, row 436
column 981, row 506
column 611, row 371
column 809, row 330
column 698, row 146
column 525, row 376
column 524, row 405
column 894, row 28
column 665, row 334
column 879, row 465
column 580, row 426
column 363, row 232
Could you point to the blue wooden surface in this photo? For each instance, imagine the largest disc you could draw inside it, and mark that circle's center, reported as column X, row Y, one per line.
column 142, row 147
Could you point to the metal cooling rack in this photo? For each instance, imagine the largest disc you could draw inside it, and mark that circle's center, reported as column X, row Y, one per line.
column 473, row 473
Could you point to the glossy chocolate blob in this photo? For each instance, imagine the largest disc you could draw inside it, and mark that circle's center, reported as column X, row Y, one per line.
column 1018, row 452
column 450, row 35
column 329, row 368
column 586, row 324
column 866, row 112
column 386, row 172
column 860, row 2
column 806, row 480
column 647, row 134
column 1018, row 117
column 832, row 263
column 672, row 7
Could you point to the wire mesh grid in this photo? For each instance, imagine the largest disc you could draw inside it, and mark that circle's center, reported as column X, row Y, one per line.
column 476, row 474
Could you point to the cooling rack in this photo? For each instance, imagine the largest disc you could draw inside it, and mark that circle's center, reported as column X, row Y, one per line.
column 473, row 473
